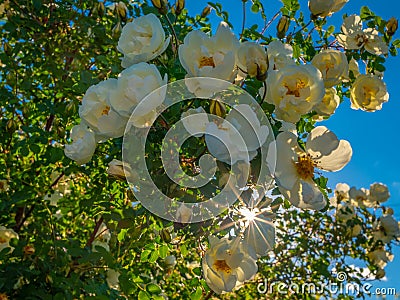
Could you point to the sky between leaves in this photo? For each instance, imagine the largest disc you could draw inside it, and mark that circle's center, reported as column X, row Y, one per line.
column 374, row 136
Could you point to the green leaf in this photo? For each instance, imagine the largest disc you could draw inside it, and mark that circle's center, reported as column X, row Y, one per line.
column 143, row 296
column 163, row 251
column 153, row 289
column 144, row 255
column 153, row 256
column 197, row 294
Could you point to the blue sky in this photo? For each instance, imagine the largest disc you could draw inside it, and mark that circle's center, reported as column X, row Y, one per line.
column 374, row 136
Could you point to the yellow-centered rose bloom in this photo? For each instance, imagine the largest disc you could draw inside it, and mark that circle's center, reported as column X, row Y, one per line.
column 295, row 167
column 294, row 90
column 142, row 40
column 228, row 263
column 333, row 66
column 368, row 93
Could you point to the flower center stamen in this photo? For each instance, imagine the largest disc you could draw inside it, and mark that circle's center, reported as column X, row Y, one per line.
column 220, row 265
column 300, row 84
column 305, row 166
column 206, row 61
column 105, row 111
column 2, row 240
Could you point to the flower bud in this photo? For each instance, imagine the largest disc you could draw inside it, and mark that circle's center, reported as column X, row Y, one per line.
column 206, row 11
column 29, row 250
column 389, row 211
column 11, row 126
column 282, row 27
column 161, row 5
column 179, row 6
column 121, row 10
column 391, row 26
column 116, row 169
column 217, row 108
column 165, row 235
column 116, row 29
column 100, row 9
column 7, row 48
column 170, row 261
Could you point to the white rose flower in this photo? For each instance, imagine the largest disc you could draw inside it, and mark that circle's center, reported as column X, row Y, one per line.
column 5, row 236
column 295, row 167
column 205, row 56
column 97, row 113
column 345, row 212
column 99, row 243
column 253, row 59
column 360, row 197
column 333, row 66
column 83, row 144
column 226, row 264
column 324, row 8
column 112, row 279
column 379, row 192
column 238, row 137
column 328, row 104
column 353, row 37
column 342, row 191
column 142, row 40
column 259, row 232
column 3, row 185
column 197, row 124
column 134, row 84
column 380, row 257
column 170, row 261
column 353, row 67
column 53, row 198
column 387, row 229
column 368, row 93
column 279, row 55
column 294, row 90
column 184, row 214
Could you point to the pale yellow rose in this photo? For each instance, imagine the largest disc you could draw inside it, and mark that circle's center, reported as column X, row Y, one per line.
column 387, row 229
column 5, row 236
column 83, row 144
column 380, row 257
column 295, row 167
column 253, row 59
column 294, row 90
column 379, row 192
column 328, row 104
column 205, row 56
column 142, row 40
column 97, row 113
column 228, row 263
column 368, row 93
column 353, row 37
column 333, row 66
column 279, row 55
column 324, row 8
column 134, row 84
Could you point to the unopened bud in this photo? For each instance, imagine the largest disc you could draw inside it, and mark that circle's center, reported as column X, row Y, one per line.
column 100, row 9
column 29, row 250
column 282, row 27
column 165, row 235
column 121, row 10
column 116, row 29
column 179, row 6
column 170, row 261
column 71, row 108
column 161, row 5
column 380, row 273
column 206, row 11
column 11, row 126
column 389, row 211
column 391, row 26
column 217, row 108
column 7, row 48
column 116, row 169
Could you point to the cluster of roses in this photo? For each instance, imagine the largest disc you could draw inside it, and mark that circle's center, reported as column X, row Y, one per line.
column 349, row 202
column 294, row 89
